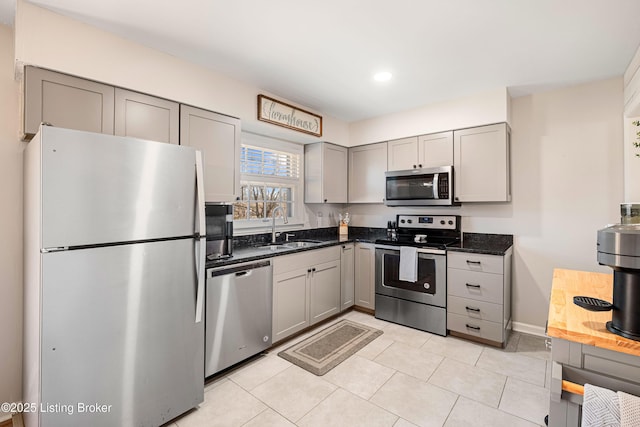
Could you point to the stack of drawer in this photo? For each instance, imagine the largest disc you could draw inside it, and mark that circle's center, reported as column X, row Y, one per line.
column 479, row 296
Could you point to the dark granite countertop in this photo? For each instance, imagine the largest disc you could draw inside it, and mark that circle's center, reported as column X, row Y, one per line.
column 489, row 244
column 252, row 247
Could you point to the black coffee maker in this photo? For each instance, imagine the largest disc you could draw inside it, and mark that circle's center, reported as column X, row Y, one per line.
column 619, row 248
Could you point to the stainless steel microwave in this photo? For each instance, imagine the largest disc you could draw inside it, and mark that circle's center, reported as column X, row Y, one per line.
column 420, row 187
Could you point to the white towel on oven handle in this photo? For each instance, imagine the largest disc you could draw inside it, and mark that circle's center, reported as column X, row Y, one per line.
column 408, row 264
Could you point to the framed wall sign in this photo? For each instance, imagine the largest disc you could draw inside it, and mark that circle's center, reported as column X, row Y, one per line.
column 282, row 114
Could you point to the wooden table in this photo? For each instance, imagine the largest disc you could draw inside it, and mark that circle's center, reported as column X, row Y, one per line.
column 572, row 323
column 583, row 350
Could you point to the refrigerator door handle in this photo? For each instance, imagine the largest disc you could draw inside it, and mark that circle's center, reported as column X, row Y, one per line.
column 200, row 252
column 201, row 217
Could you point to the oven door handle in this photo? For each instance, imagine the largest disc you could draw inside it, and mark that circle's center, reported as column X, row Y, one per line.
column 419, row 250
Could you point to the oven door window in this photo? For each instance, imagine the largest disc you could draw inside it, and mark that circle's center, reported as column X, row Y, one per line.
column 411, row 187
column 426, row 282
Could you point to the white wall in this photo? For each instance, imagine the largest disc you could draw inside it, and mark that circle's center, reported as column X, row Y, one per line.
column 50, row 40
column 480, row 109
column 631, row 161
column 10, row 228
column 567, row 160
column 567, row 157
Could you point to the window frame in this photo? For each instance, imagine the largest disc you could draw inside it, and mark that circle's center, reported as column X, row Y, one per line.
column 268, row 143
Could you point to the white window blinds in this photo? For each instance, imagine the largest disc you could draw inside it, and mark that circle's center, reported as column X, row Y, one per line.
column 269, row 163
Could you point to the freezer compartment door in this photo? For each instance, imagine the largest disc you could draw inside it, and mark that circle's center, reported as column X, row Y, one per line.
column 102, row 189
column 119, row 331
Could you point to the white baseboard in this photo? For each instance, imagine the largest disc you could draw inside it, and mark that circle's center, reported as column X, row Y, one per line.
column 529, row 329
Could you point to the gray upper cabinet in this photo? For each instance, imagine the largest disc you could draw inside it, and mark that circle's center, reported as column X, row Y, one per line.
column 147, row 117
column 325, row 173
column 402, row 154
column 367, row 165
column 481, row 164
column 218, row 138
column 71, row 102
column 425, row 151
column 435, row 149
column 66, row 101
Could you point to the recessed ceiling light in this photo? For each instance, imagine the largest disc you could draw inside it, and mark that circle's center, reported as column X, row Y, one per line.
column 383, row 76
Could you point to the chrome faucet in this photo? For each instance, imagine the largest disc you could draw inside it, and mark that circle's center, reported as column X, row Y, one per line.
column 273, row 224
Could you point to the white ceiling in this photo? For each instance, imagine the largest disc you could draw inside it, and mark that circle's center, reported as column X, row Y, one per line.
column 322, row 54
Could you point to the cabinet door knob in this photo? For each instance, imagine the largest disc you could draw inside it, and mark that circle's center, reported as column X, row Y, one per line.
column 325, row 200
column 313, row 269
column 309, row 270
column 419, row 166
column 414, row 166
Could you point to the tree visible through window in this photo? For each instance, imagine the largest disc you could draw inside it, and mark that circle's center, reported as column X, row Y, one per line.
column 269, row 178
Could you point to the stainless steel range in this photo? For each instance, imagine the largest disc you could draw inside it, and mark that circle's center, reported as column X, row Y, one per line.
column 411, row 271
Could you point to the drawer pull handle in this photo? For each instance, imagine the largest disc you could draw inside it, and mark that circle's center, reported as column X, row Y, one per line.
column 475, row 328
column 470, row 285
column 474, row 262
column 477, row 310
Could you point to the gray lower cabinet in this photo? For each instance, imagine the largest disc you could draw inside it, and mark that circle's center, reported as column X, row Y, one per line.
column 324, row 289
column 365, row 273
column 66, row 101
column 306, row 290
column 347, row 276
column 218, row 138
column 290, row 303
column 582, row 364
column 144, row 116
column 479, row 296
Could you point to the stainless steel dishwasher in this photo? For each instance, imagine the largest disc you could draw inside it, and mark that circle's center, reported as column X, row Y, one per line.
column 238, row 313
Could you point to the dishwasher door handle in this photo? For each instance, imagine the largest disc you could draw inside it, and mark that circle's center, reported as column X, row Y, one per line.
column 244, row 273
column 238, row 270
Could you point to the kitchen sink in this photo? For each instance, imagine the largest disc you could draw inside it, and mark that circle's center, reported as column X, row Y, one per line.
column 297, row 244
column 273, row 247
column 300, row 244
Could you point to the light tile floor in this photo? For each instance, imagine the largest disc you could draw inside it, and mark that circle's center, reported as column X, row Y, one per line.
column 403, row 378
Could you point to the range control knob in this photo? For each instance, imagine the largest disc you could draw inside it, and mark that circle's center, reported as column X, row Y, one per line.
column 409, row 221
column 442, row 221
column 402, row 221
column 450, row 222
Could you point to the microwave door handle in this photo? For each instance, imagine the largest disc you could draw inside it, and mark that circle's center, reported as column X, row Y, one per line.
column 435, row 186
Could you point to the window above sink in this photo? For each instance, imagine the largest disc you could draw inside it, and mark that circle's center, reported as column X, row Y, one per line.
column 270, row 176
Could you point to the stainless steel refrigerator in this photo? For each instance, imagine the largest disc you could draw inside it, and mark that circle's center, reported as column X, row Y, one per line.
column 114, row 280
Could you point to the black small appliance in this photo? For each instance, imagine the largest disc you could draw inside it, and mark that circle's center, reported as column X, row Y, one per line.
column 219, row 220
column 619, row 248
